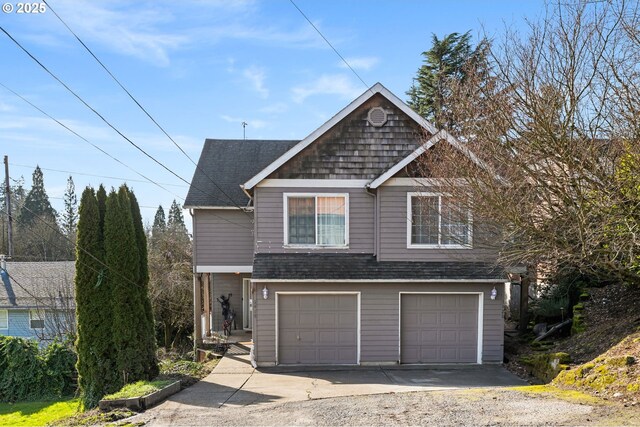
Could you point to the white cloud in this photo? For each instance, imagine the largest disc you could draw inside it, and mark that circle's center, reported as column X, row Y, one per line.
column 256, row 77
column 361, row 63
column 130, row 31
column 327, row 84
column 154, row 34
column 251, row 123
column 277, row 108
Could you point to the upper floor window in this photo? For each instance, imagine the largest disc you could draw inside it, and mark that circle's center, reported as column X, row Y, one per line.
column 316, row 220
column 435, row 220
column 4, row 319
column 36, row 319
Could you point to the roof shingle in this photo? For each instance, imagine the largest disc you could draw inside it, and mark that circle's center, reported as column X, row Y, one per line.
column 230, row 163
column 37, row 284
column 307, row 266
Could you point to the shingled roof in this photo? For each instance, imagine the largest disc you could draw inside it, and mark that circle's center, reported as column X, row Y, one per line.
column 336, row 267
column 37, row 284
column 230, row 163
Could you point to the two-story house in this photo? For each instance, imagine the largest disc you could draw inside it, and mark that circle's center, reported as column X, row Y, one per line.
column 335, row 252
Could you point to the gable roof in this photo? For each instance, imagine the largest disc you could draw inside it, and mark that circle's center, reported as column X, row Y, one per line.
column 442, row 135
column 375, row 89
column 229, row 163
column 37, row 285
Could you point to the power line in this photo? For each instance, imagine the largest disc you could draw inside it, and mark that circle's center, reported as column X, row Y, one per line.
column 98, row 148
column 93, row 175
column 140, row 105
column 79, row 98
column 161, row 302
column 330, row 45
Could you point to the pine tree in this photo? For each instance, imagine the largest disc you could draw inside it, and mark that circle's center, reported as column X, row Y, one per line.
column 159, row 221
column 175, row 220
column 37, row 235
column 96, row 365
column 36, row 203
column 147, row 330
column 69, row 220
column 70, row 214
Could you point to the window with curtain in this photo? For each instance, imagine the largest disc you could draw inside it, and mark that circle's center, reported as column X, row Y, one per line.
column 437, row 220
column 316, row 220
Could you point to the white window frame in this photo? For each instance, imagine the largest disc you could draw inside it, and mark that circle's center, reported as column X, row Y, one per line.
column 4, row 315
column 411, row 245
column 43, row 318
column 285, row 214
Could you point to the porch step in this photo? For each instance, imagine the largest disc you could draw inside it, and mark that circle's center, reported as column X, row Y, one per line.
column 238, row 349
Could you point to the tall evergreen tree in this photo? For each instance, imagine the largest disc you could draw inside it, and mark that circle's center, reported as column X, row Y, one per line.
column 175, row 218
column 447, row 59
column 159, row 221
column 70, row 213
column 147, row 330
column 69, row 217
column 37, row 236
column 36, row 203
column 123, row 261
column 96, row 364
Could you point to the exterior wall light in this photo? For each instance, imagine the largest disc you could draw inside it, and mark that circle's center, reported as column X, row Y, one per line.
column 494, row 293
column 265, row 292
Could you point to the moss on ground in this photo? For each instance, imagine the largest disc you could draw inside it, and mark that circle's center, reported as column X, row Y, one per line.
column 560, row 393
column 602, row 374
column 546, row 365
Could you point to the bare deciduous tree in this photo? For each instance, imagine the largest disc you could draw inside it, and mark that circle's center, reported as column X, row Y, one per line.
column 555, row 133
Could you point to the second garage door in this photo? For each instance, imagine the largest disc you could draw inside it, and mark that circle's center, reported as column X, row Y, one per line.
column 439, row 328
column 317, row 329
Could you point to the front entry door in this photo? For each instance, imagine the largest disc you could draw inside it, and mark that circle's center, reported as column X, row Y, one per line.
column 247, row 305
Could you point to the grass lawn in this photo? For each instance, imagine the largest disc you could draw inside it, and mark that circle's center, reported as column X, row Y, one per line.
column 37, row 413
column 138, row 389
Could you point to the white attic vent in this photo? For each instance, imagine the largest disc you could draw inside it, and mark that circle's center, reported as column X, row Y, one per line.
column 377, row 117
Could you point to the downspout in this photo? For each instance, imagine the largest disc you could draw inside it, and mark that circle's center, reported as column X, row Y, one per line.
column 376, row 228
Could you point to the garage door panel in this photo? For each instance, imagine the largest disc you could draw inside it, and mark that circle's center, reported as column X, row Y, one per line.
column 326, row 332
column 439, row 328
column 448, row 318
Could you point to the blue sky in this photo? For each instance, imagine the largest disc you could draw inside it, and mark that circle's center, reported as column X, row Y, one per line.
column 201, row 68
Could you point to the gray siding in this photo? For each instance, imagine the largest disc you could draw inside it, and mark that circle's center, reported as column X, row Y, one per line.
column 270, row 216
column 223, row 237
column 393, row 233
column 225, row 284
column 379, row 317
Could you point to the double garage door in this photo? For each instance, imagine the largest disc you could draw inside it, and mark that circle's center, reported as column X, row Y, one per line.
column 317, row 329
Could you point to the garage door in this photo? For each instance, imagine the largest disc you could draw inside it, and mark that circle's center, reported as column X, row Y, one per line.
column 317, row 329
column 438, row 328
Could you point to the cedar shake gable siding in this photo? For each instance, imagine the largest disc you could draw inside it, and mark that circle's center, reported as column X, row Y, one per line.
column 354, row 149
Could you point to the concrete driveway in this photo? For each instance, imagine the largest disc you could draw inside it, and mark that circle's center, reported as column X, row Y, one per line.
column 234, row 382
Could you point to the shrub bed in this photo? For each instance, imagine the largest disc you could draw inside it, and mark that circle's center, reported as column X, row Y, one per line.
column 28, row 372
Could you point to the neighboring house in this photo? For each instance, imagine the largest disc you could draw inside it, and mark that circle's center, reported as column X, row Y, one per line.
column 37, row 299
column 335, row 252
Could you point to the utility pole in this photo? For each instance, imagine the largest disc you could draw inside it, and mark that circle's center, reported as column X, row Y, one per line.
column 244, row 126
column 7, row 195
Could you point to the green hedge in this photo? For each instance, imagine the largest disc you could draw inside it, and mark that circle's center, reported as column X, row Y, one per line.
column 28, row 372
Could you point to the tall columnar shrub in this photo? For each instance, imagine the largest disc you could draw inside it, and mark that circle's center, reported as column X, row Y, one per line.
column 96, row 364
column 147, row 337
